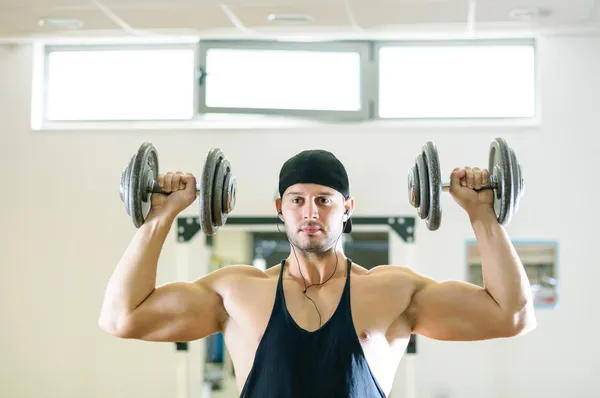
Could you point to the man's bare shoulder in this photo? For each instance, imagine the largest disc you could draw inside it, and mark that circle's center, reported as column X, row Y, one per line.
column 387, row 279
column 231, row 276
column 394, row 274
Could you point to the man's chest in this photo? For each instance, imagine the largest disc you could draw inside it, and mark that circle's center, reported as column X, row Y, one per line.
column 374, row 312
column 378, row 324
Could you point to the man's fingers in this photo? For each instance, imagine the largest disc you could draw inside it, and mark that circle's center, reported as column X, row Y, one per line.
column 477, row 178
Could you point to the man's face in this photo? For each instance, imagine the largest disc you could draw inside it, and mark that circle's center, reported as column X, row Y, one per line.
column 313, row 215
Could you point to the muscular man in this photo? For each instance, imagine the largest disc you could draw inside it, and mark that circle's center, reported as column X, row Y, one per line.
column 317, row 325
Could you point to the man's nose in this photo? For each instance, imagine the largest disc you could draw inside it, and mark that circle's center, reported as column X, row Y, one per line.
column 311, row 211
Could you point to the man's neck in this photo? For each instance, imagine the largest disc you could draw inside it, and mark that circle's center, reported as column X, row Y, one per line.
column 316, row 268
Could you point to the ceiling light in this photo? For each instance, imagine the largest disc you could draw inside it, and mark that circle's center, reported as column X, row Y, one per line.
column 290, row 18
column 529, row 13
column 61, row 23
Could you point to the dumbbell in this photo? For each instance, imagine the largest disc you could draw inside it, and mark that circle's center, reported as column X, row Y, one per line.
column 217, row 187
column 505, row 178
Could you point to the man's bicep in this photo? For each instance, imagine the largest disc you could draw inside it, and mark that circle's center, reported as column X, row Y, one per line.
column 456, row 311
column 181, row 311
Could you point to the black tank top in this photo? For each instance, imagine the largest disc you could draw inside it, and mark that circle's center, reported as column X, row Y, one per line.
column 327, row 363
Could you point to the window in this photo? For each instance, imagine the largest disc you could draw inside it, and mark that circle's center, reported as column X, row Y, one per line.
column 474, row 80
column 119, row 83
column 322, row 81
column 301, row 79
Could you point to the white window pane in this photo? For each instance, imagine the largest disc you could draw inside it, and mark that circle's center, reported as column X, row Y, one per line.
column 457, row 82
column 291, row 80
column 120, row 85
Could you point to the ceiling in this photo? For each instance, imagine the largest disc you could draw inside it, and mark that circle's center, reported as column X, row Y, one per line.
column 20, row 19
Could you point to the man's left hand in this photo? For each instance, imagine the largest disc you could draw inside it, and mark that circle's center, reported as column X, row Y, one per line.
column 464, row 183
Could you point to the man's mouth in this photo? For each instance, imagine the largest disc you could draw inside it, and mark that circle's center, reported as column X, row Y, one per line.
column 310, row 230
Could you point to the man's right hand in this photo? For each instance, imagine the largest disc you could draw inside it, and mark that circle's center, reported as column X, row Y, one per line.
column 182, row 193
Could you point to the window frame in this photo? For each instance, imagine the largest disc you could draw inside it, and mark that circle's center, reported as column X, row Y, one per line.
column 363, row 48
column 529, row 42
column 53, row 48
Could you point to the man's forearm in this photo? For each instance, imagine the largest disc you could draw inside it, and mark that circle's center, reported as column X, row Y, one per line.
column 134, row 277
column 503, row 273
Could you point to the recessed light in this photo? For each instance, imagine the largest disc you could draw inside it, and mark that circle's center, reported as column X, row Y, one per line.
column 61, row 23
column 290, row 18
column 529, row 13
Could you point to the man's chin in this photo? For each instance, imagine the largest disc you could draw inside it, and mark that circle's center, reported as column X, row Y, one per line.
column 312, row 248
column 309, row 242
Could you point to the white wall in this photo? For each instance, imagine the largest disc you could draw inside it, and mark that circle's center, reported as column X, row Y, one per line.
column 64, row 228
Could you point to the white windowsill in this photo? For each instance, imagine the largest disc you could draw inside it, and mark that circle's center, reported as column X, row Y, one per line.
column 284, row 123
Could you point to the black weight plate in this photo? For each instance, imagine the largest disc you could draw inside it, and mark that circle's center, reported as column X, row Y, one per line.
column 207, row 190
column 499, row 166
column 217, row 201
column 138, row 189
column 414, row 191
column 424, row 193
column 432, row 160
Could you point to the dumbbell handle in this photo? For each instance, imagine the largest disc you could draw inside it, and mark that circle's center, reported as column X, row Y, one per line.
column 491, row 184
column 153, row 187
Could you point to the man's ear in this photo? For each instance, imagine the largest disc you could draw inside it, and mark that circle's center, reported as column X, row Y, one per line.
column 278, row 208
column 349, row 205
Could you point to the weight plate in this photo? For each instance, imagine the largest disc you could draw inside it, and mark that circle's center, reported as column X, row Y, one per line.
column 229, row 193
column 432, row 160
column 424, row 191
column 145, row 162
column 149, row 174
column 217, row 201
column 134, row 194
column 520, row 180
column 207, row 191
column 521, row 183
column 414, row 192
column 124, row 186
column 516, row 184
column 500, row 167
